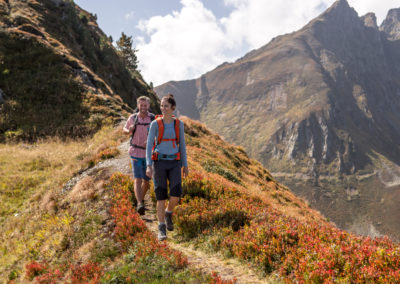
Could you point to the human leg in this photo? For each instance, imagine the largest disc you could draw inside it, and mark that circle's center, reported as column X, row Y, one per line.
column 174, row 176
column 145, row 188
column 141, row 182
column 139, row 196
column 172, row 202
column 162, row 232
column 139, row 190
column 175, row 180
column 160, row 188
column 161, row 211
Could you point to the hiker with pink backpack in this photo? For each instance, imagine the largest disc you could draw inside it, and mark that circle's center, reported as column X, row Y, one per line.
column 137, row 126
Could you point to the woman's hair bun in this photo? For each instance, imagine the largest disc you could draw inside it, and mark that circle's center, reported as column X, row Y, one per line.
column 170, row 99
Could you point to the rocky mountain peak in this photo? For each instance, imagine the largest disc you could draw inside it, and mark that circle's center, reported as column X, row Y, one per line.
column 340, row 4
column 370, row 20
column 391, row 25
column 339, row 22
column 394, row 14
column 340, row 11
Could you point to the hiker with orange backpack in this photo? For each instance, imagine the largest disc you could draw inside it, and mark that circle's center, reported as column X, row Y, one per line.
column 165, row 161
column 137, row 126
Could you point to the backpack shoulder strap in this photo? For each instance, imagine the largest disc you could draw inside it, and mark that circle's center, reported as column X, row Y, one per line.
column 160, row 124
column 177, row 132
column 135, row 117
column 135, row 121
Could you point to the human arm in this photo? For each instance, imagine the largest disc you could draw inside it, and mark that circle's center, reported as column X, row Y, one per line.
column 150, row 141
column 129, row 126
column 182, row 148
column 149, row 147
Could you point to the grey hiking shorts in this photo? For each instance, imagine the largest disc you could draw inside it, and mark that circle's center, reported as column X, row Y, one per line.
column 167, row 170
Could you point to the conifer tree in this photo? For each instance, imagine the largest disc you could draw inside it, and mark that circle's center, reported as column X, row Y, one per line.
column 128, row 54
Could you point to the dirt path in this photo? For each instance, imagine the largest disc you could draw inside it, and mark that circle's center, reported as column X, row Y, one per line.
column 227, row 269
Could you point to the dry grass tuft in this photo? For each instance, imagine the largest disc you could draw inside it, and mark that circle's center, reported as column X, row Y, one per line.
column 49, row 203
column 83, row 190
column 83, row 254
column 101, row 148
column 99, row 187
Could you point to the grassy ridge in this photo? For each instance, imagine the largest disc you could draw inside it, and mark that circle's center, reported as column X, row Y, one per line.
column 87, row 232
column 37, row 215
column 34, row 66
column 60, row 74
column 137, row 257
column 231, row 205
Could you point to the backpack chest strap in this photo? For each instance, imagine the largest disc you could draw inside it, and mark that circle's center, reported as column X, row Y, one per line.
column 174, row 141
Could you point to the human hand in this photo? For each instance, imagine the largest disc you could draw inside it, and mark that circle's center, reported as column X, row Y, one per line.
column 149, row 171
column 185, row 172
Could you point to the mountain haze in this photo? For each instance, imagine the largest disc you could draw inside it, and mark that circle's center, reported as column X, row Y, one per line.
column 320, row 108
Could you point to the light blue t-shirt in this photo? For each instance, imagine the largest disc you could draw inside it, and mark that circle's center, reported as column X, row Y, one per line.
column 166, row 147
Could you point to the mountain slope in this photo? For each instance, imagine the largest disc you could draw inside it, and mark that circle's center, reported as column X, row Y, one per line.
column 87, row 229
column 60, row 215
column 59, row 73
column 320, row 108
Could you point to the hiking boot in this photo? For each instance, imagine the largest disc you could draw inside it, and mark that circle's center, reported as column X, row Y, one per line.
column 140, row 209
column 168, row 220
column 162, row 232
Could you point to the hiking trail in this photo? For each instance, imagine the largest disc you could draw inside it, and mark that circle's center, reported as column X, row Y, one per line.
column 227, row 269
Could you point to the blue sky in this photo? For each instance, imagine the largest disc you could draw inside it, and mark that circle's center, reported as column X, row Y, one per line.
column 115, row 17
column 182, row 39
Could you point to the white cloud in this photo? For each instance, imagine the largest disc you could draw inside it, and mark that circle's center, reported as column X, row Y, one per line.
column 182, row 45
column 256, row 22
column 129, row 16
column 380, row 8
column 187, row 43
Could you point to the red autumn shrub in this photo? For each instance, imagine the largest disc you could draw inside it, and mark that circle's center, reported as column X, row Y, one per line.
column 86, row 273
column 34, row 269
column 131, row 230
column 216, row 279
column 304, row 252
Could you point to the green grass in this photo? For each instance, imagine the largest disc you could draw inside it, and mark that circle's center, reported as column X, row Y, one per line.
column 39, row 85
column 46, row 78
column 151, row 269
column 213, row 167
column 33, row 219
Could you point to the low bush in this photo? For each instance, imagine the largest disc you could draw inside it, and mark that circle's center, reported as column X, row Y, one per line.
column 303, row 252
column 212, row 167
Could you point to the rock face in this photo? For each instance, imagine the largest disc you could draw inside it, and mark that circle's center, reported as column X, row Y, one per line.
column 320, row 107
column 391, row 25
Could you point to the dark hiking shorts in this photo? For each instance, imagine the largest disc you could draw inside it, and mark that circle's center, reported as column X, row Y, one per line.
column 167, row 170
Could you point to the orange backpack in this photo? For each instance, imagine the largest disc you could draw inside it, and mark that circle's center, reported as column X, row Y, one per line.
column 175, row 141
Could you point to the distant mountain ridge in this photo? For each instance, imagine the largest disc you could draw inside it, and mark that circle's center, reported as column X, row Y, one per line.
column 59, row 73
column 320, row 107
